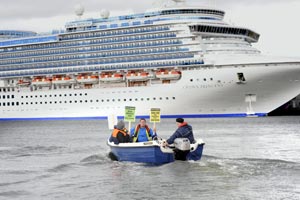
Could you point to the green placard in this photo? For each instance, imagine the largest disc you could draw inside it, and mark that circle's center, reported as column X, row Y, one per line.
column 155, row 115
column 129, row 114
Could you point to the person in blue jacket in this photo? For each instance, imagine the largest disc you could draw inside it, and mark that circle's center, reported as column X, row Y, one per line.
column 142, row 132
column 184, row 130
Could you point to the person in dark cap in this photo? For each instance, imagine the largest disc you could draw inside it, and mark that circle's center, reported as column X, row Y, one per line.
column 184, row 130
column 120, row 134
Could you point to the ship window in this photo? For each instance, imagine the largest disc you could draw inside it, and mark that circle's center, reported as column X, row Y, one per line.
column 241, row 77
column 17, row 103
column 75, row 101
column 70, row 101
column 3, row 103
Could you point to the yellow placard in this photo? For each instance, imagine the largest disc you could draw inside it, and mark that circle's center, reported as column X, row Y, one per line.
column 155, row 115
column 129, row 114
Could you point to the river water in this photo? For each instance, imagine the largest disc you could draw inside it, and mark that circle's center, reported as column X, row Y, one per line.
column 244, row 158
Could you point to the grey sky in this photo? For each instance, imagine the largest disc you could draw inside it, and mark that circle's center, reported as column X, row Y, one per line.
column 275, row 20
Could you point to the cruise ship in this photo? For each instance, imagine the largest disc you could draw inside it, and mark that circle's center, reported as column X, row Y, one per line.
column 185, row 60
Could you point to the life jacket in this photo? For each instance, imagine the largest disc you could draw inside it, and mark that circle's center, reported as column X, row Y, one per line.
column 137, row 131
column 116, row 131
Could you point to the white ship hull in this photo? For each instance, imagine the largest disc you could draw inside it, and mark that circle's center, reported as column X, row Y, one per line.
column 204, row 92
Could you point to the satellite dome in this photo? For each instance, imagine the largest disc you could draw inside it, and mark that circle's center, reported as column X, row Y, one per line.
column 104, row 13
column 79, row 10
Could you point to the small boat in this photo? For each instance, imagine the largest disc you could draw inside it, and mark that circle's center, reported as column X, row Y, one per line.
column 63, row 80
column 87, row 79
column 153, row 152
column 23, row 83
column 41, row 81
column 168, row 74
column 111, row 77
column 137, row 76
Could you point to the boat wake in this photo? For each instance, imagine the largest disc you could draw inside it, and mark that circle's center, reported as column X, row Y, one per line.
column 30, row 151
column 95, row 159
column 247, row 166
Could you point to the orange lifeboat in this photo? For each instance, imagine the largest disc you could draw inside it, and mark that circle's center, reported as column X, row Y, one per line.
column 41, row 81
column 63, row 80
column 137, row 76
column 23, row 83
column 87, row 79
column 168, row 74
column 111, row 77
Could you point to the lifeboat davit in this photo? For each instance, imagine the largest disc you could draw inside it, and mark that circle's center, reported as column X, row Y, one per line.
column 41, row 81
column 63, row 80
column 87, row 79
column 111, row 77
column 23, row 83
column 168, row 74
column 137, row 76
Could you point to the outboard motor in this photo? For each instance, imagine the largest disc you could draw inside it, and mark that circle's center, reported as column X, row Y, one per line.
column 182, row 148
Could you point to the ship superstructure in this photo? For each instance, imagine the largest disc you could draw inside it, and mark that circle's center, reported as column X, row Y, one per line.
column 185, row 60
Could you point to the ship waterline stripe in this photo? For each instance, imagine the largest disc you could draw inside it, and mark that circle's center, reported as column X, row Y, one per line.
column 227, row 115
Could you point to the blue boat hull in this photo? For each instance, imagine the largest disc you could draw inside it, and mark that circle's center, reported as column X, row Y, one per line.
column 150, row 152
column 197, row 154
